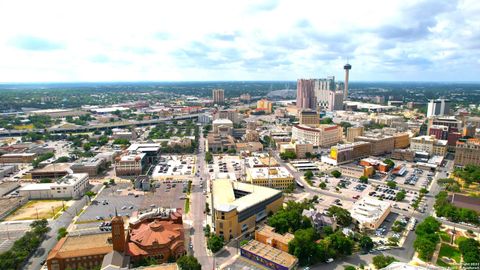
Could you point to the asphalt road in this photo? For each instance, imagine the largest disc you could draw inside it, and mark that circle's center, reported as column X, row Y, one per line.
column 197, row 210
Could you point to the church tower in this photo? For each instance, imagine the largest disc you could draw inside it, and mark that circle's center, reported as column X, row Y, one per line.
column 118, row 233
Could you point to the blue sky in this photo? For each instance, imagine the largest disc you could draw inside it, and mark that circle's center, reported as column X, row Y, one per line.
column 395, row 40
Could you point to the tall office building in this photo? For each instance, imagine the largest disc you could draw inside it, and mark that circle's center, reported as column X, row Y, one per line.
column 329, row 94
column 218, row 96
column 347, row 68
column 438, row 107
column 306, row 94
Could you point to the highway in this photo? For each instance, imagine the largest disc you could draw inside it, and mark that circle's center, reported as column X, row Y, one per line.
column 9, row 133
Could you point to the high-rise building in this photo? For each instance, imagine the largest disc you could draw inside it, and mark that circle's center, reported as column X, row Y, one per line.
column 321, row 136
column 440, row 132
column 438, row 107
column 347, row 68
column 467, row 152
column 306, row 94
column 469, row 130
column 218, row 96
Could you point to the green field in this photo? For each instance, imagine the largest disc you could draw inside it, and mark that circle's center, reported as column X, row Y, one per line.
column 449, row 252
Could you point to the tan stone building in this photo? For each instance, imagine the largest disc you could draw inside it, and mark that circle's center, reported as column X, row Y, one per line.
column 467, row 152
column 237, row 207
column 381, row 144
column 267, row 235
column 321, row 136
column 353, row 132
column 309, row 118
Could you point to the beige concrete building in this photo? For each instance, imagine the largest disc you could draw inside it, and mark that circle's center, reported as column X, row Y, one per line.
column 300, row 148
column 130, row 164
column 238, row 207
column 222, row 126
column 381, row 144
column 267, row 235
column 353, row 132
column 321, row 136
column 275, row 177
column 428, row 144
column 467, row 152
column 18, row 158
column 401, row 140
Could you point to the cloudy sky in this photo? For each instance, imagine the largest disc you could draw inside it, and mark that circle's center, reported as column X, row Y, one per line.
column 399, row 40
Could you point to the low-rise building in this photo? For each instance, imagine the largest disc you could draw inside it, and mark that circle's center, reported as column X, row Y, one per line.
column 401, row 140
column 322, row 136
column 353, row 132
column 142, row 182
column 268, row 256
column 381, row 144
column 300, row 148
column 182, row 142
column 440, row 132
column 70, row 186
column 249, row 146
column 356, row 171
column 345, row 153
column 51, row 171
column 268, row 236
column 264, row 105
column 218, row 143
column 429, row 144
column 6, row 170
column 403, row 154
column 369, row 213
column 93, row 166
column 238, row 207
column 274, row 177
column 319, row 220
column 375, row 163
column 17, row 158
column 222, row 126
column 130, row 164
column 175, row 168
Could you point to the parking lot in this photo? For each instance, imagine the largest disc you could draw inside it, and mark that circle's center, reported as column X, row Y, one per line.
column 347, row 186
column 226, row 167
column 122, row 198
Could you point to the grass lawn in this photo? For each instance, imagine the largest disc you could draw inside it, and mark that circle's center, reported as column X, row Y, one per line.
column 449, row 252
column 460, row 239
column 445, row 236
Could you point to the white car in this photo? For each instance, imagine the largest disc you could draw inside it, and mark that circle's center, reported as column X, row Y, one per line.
column 330, row 260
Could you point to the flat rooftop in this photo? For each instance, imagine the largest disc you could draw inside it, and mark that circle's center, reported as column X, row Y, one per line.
column 225, row 200
column 174, row 166
column 369, row 209
column 82, row 245
column 54, row 167
column 264, row 172
column 270, row 253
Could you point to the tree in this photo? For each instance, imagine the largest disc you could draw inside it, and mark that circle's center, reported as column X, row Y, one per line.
column 336, row 173
column 389, row 163
column 62, row 232
column 424, row 247
column 326, row 120
column 349, row 267
column 470, row 249
column 400, row 196
column 62, row 159
column 303, row 246
column 308, row 175
column 90, row 193
column 392, row 184
column 111, row 181
column 382, row 261
column 423, row 191
column 393, row 241
column 366, row 243
column 208, row 157
column 427, row 238
column 45, row 180
column 322, row 185
column 215, row 243
column 363, row 179
column 341, row 244
column 288, row 155
column 121, row 141
column 244, row 242
column 188, row 262
column 290, row 189
column 290, row 218
column 342, row 216
column 206, row 230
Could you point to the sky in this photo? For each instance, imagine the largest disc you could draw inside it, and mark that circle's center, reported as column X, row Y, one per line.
column 394, row 40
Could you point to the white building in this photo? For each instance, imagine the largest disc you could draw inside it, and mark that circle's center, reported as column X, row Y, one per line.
column 370, row 212
column 321, row 136
column 70, row 186
column 438, row 107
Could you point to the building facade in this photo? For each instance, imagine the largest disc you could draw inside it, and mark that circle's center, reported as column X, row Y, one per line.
column 321, row 136
column 309, row 118
column 438, row 107
column 353, row 132
column 467, row 152
column 306, row 94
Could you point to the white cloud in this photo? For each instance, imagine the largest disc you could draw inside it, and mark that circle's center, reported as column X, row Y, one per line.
column 57, row 40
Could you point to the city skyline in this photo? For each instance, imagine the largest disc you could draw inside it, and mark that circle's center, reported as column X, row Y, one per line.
column 54, row 41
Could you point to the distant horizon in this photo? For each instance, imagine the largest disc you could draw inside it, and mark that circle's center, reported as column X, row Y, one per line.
column 236, row 81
